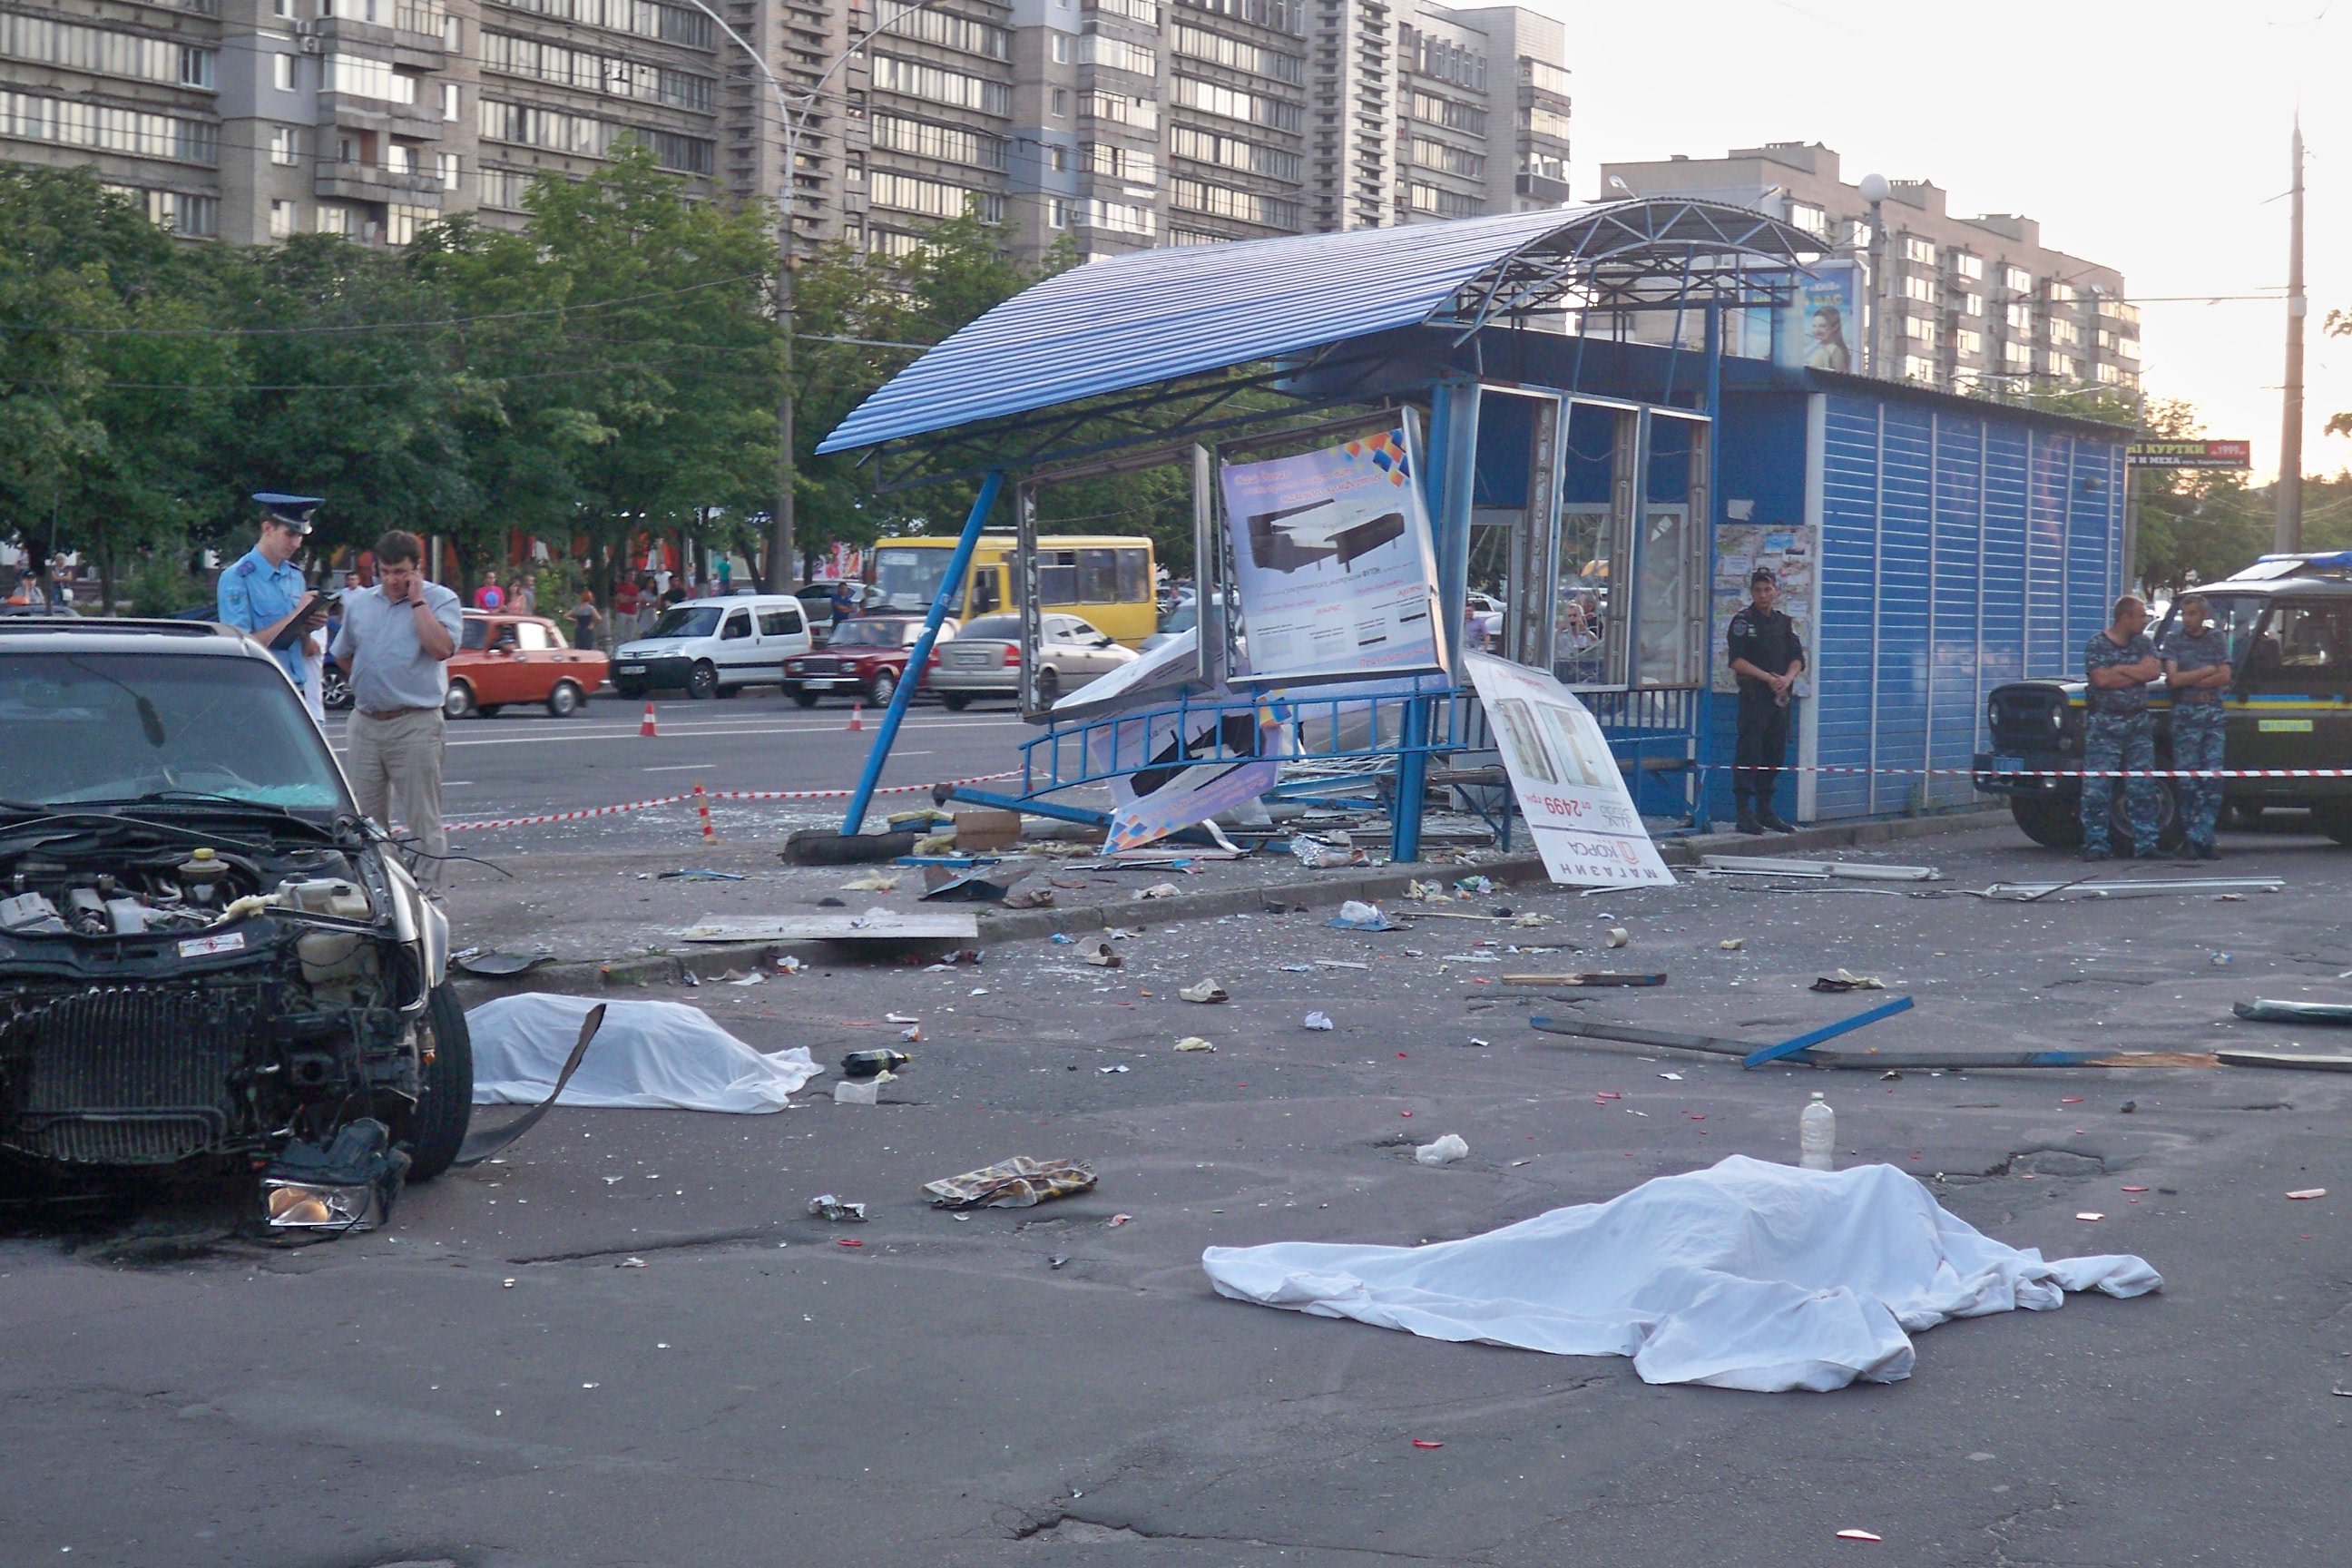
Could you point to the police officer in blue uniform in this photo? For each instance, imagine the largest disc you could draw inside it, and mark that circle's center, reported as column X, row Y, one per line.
column 2196, row 654
column 2119, row 665
column 1767, row 658
column 264, row 591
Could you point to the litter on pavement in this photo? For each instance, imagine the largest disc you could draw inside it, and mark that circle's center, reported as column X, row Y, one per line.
column 1194, row 1043
column 700, row 874
column 1842, row 982
column 1318, row 1021
column 500, row 965
column 1355, row 915
column 649, row 1056
column 1205, row 991
column 2030, row 892
column 875, row 925
column 1586, row 977
column 1851, row 870
column 872, row 883
column 826, row 1206
column 873, row 1064
column 1102, row 957
column 1019, row 1183
column 862, row 1091
column 2271, row 1012
column 1680, row 1275
column 1445, row 1151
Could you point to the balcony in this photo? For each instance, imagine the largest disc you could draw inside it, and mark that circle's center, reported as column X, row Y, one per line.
column 1537, row 188
column 353, row 111
column 415, row 36
column 357, row 181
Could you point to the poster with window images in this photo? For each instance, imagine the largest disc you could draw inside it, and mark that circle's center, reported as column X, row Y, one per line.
column 1333, row 564
column 1784, row 549
column 1175, row 793
column 1568, row 788
column 1819, row 327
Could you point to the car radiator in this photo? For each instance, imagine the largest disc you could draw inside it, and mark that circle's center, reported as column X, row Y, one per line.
column 124, row 1074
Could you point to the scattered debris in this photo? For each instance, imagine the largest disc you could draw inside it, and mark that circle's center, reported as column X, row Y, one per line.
column 2093, row 888
column 866, row 1091
column 1102, row 957
column 1019, row 1183
column 1842, row 982
column 2222, row 959
column 1445, row 1151
column 1733, row 944
column 1118, row 1068
column 900, row 1018
column 1317, row 856
column 1672, row 1077
column 1206, row 991
column 1194, row 1043
column 2088, row 1214
column 2308, row 1193
column 1850, row 870
column 754, row 978
column 872, row 883
column 500, row 965
column 628, row 1263
column 2270, row 1012
column 1618, row 936
column 790, row 963
column 1119, row 1219
column 700, row 874
column 826, row 1206
column 1318, row 1021
column 875, row 925
column 873, row 1064
column 1585, row 977
column 1355, row 915
column 1425, row 1443
column 1430, row 893
column 2284, row 1060
column 1058, row 1260
column 1858, row 1535
column 1158, row 890
column 1029, row 899
column 1346, row 963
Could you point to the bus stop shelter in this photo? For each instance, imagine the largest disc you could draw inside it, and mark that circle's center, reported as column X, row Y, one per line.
column 1582, row 467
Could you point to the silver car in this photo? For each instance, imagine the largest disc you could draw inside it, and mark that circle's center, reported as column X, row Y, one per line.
column 984, row 661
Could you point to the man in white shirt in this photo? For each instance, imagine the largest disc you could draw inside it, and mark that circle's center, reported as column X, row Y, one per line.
column 395, row 642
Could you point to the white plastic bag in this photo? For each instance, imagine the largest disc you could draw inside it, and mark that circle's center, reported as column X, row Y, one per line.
column 1445, row 1151
column 647, row 1056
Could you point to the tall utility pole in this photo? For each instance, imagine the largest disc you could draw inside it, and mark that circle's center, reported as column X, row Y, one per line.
column 2288, row 536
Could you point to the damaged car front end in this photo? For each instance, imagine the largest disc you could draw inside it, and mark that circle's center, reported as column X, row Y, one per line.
column 208, row 961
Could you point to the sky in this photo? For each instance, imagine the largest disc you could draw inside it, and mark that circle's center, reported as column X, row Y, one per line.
column 2152, row 138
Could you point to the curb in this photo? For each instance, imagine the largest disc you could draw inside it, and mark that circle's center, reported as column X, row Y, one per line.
column 710, row 962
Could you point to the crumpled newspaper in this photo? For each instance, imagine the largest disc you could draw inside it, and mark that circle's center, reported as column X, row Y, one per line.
column 1019, row 1183
column 1842, row 982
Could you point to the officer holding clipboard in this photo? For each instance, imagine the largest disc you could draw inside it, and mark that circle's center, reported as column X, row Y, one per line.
column 264, row 594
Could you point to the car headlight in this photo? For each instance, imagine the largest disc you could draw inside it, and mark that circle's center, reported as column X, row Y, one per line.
column 312, row 1206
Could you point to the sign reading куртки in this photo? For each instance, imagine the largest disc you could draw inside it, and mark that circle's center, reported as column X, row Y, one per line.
column 2197, row 454
column 1569, row 790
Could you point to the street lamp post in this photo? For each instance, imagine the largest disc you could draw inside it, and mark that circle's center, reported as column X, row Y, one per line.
column 1875, row 190
column 783, row 545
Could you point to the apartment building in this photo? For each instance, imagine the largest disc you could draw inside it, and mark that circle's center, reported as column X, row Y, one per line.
column 1968, row 303
column 1113, row 125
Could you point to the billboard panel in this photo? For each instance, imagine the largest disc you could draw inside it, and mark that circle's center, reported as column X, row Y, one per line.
column 1821, row 326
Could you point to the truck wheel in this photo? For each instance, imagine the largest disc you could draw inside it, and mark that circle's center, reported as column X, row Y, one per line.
column 2054, row 825
column 2171, row 830
column 437, row 1126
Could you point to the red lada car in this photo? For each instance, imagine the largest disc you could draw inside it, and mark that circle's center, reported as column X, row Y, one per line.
column 503, row 658
column 864, row 659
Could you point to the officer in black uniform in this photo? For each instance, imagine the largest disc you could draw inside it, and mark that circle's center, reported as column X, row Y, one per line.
column 1767, row 658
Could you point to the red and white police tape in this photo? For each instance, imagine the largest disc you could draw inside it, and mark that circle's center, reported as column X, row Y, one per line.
column 710, row 794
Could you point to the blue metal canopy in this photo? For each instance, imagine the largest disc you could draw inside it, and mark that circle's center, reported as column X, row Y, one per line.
column 1157, row 315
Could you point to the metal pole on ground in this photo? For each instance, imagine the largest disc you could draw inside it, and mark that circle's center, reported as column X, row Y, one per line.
column 959, row 565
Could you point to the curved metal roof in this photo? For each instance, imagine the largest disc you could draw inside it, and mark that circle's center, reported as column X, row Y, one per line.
column 1157, row 315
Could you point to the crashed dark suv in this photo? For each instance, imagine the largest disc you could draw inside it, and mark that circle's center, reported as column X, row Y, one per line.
column 2288, row 619
column 207, row 958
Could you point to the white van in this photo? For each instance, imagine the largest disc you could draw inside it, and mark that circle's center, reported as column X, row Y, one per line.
column 713, row 648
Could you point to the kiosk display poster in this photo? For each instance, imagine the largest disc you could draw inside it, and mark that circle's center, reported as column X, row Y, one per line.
column 1784, row 549
column 1568, row 785
column 1333, row 564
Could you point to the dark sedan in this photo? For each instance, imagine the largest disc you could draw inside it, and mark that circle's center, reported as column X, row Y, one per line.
column 864, row 659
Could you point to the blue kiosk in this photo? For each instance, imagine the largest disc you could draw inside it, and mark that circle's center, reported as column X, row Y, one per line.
column 1612, row 492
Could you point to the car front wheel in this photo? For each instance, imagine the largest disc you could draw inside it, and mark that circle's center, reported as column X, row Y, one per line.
column 445, row 1105
column 806, row 698
column 459, row 700
column 955, row 701
column 702, row 681
column 886, row 686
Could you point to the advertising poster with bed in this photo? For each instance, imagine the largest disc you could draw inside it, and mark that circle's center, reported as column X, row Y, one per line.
column 1569, row 790
column 1333, row 563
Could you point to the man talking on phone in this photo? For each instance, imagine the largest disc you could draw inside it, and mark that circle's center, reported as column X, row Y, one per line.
column 264, row 593
column 395, row 641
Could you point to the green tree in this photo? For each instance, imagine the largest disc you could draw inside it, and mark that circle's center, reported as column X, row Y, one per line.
column 2195, row 525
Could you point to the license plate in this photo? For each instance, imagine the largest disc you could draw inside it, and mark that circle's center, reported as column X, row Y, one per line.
column 633, row 669
column 2008, row 764
column 2282, row 726
column 820, row 685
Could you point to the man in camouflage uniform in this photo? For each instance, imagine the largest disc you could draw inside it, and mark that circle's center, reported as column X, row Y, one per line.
column 2120, row 663
column 2196, row 654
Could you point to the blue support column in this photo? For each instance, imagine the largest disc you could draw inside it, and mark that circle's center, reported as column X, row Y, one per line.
column 1701, row 818
column 1451, row 465
column 959, row 566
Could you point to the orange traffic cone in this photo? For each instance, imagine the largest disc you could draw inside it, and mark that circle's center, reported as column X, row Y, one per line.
column 856, row 716
column 646, row 729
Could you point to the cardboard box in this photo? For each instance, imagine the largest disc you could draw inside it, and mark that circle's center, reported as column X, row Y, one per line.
column 980, row 831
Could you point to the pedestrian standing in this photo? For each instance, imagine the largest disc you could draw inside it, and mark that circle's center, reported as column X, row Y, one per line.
column 1767, row 658
column 490, row 595
column 523, row 598
column 2119, row 664
column 263, row 592
column 2196, row 654
column 626, row 601
column 585, row 616
column 395, row 643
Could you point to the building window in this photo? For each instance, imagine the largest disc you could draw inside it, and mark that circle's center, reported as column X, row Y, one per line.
column 932, row 198
column 1443, row 111
column 2017, row 356
column 2063, row 293
column 1448, row 159
column 1971, row 304
column 1057, row 213
column 2017, row 280
column 500, row 187
column 1130, row 164
column 948, row 30
column 282, row 146
column 2111, row 375
column 76, row 123
column 1060, row 99
column 2065, row 331
column 363, row 77
column 1968, row 267
column 1232, row 152
column 399, row 159
column 281, row 219
column 1920, row 288
column 1919, row 330
column 2062, row 366
column 1918, row 249
column 1967, row 342
column 1201, row 43
column 1211, row 98
column 281, row 73
column 334, row 219
column 2127, row 347
column 449, row 100
column 1814, row 220
column 446, row 165
column 1917, row 369
column 1424, row 198
column 948, row 143
column 1057, row 159
column 1061, row 48
column 281, row 8
column 1549, row 77
column 1119, row 217
column 2020, row 317
column 911, row 78
column 1117, row 54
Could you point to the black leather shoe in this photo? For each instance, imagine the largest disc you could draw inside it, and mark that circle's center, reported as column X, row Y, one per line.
column 2096, row 855
column 1773, row 822
column 1749, row 826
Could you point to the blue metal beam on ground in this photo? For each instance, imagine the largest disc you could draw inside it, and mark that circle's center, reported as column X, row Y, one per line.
column 959, row 566
column 971, row 796
column 1790, row 1047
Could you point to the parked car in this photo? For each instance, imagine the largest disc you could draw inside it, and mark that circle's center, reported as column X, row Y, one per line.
column 210, row 962
column 504, row 659
column 2289, row 624
column 714, row 647
column 866, row 658
column 817, row 603
column 984, row 661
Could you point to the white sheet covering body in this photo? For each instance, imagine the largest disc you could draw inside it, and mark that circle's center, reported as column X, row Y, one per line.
column 1748, row 1275
column 661, row 1056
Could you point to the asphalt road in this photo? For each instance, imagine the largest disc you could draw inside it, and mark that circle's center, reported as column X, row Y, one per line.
column 524, row 761
column 491, row 1382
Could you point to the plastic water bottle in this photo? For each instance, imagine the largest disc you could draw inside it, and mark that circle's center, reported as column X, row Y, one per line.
column 1817, row 1136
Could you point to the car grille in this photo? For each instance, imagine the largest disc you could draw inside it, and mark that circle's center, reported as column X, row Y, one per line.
column 125, row 1074
column 819, row 666
column 2022, row 718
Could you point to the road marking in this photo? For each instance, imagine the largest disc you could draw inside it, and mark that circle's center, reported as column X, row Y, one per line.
column 680, row 768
